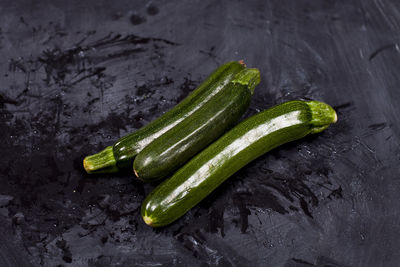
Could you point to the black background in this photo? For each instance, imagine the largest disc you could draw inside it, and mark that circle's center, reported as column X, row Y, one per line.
column 77, row 75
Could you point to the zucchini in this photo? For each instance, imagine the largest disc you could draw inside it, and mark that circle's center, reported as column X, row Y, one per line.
column 168, row 152
column 245, row 142
column 121, row 155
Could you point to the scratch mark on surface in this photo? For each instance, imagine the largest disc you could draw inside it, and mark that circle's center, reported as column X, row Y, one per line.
column 381, row 49
column 378, row 126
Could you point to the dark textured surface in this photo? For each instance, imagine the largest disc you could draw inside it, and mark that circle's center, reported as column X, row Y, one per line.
column 76, row 75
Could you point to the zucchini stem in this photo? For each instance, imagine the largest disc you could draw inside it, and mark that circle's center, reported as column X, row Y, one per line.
column 102, row 162
column 322, row 116
column 249, row 78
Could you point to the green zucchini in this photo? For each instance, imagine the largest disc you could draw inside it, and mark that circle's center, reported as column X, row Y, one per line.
column 121, row 155
column 168, row 152
column 245, row 142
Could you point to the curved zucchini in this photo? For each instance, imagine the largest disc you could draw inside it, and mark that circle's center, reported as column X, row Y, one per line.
column 122, row 154
column 245, row 142
column 174, row 148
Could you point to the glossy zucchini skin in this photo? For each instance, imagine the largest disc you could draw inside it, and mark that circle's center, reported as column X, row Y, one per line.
column 174, row 148
column 122, row 154
column 245, row 142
